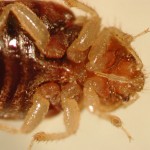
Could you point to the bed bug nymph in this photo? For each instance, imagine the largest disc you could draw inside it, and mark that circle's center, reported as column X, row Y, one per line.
column 52, row 61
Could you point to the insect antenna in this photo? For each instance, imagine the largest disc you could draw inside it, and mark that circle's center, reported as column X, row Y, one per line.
column 141, row 33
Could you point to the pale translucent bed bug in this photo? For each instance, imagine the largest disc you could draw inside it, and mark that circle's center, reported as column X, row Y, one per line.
column 53, row 61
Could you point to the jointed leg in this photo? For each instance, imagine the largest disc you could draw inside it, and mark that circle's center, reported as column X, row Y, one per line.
column 8, row 129
column 88, row 33
column 29, row 22
column 70, row 107
column 34, row 116
column 36, row 113
column 116, row 121
column 92, row 103
column 71, row 120
column 80, row 5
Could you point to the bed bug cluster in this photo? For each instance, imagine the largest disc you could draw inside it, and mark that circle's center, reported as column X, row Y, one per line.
column 53, row 61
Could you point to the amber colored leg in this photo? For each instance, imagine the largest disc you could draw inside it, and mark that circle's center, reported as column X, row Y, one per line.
column 36, row 113
column 92, row 103
column 9, row 129
column 34, row 116
column 116, row 121
column 71, row 115
column 34, row 26
column 80, row 5
column 87, row 35
column 71, row 120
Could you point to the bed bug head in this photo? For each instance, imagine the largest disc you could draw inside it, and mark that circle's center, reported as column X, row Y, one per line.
column 117, row 67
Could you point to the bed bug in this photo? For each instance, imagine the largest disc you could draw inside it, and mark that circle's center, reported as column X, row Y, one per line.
column 53, row 61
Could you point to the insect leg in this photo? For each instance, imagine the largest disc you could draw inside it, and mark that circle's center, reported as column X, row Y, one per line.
column 88, row 33
column 71, row 119
column 70, row 95
column 80, row 5
column 116, row 121
column 9, row 129
column 29, row 22
column 92, row 103
column 35, row 114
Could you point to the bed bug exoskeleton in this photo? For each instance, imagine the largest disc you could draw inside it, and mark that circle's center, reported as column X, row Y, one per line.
column 51, row 61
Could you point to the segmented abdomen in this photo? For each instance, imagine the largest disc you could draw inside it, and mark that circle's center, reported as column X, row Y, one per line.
column 22, row 67
column 16, row 73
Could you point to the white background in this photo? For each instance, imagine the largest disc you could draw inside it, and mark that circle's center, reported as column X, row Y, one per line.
column 132, row 16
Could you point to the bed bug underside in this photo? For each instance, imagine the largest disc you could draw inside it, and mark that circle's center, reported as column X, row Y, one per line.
column 64, row 67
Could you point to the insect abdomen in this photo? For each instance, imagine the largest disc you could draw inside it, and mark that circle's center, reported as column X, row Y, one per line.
column 17, row 69
column 16, row 73
column 20, row 70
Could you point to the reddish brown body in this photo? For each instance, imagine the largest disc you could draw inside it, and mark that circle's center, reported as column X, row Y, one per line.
column 23, row 69
column 58, row 64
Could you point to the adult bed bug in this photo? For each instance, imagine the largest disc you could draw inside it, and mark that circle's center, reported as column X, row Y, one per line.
column 51, row 61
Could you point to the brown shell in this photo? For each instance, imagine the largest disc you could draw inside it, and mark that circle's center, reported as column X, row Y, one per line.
column 22, row 67
column 103, row 66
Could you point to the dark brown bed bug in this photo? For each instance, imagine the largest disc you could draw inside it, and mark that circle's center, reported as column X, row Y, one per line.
column 53, row 61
